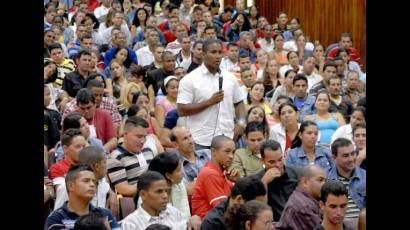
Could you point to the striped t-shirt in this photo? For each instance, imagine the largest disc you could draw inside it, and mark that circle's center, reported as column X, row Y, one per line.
column 125, row 166
column 352, row 208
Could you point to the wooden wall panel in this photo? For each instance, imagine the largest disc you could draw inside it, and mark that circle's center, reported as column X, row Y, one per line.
column 323, row 20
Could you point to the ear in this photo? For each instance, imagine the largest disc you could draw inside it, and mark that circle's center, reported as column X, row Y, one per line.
column 248, row 224
column 143, row 194
column 333, row 156
column 322, row 205
column 168, row 176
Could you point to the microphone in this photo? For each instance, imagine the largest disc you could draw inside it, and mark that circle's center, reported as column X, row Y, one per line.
column 220, row 79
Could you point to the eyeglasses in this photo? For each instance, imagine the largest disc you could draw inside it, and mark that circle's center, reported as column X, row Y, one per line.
column 268, row 224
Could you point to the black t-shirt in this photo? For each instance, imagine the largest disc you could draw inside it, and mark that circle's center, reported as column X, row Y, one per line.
column 192, row 67
column 279, row 190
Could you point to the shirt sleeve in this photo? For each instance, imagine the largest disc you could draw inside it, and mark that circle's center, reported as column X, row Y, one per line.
column 185, row 91
column 237, row 94
column 303, row 219
column 110, row 128
column 238, row 164
column 214, row 190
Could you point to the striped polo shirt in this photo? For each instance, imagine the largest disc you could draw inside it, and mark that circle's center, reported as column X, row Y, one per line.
column 123, row 165
column 352, row 208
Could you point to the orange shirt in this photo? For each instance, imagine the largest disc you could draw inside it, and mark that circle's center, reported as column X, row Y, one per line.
column 211, row 188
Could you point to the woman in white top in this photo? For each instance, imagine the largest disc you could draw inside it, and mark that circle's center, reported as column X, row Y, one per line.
column 286, row 131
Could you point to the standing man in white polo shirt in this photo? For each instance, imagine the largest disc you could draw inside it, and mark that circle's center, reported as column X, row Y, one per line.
column 210, row 111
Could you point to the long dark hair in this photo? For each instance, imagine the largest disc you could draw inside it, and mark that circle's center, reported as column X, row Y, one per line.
column 264, row 122
column 136, row 22
column 246, row 24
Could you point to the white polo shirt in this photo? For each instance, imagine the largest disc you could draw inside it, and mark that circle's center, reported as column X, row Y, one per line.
column 313, row 79
column 198, row 86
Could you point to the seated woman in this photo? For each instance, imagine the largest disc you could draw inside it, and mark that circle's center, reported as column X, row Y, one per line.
column 255, row 97
column 127, row 92
column 309, row 152
column 151, row 140
column 278, row 53
column 271, row 79
column 276, row 116
column 164, row 105
column 345, row 131
column 359, row 138
column 327, row 122
column 286, row 131
column 255, row 113
column 169, row 165
column 319, row 59
column 286, row 89
column 239, row 23
column 117, row 80
column 141, row 99
column 261, row 61
column 303, row 52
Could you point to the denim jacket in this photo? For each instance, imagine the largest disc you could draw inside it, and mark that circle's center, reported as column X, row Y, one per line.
column 307, row 108
column 357, row 185
column 323, row 158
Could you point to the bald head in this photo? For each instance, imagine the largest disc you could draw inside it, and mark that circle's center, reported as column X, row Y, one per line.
column 183, row 140
column 311, row 179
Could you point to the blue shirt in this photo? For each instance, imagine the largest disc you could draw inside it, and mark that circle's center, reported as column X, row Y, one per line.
column 73, row 51
column 306, row 107
column 140, row 37
column 323, row 158
column 252, row 57
column 63, row 218
column 109, row 55
column 191, row 170
column 357, row 184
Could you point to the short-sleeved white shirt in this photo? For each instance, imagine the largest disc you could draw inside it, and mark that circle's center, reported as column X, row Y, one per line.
column 198, row 86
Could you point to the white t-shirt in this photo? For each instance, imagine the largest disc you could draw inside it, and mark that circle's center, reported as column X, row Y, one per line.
column 198, row 86
column 101, row 11
column 144, row 56
column 291, row 46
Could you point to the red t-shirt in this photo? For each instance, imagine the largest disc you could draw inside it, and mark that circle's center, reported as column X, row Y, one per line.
column 169, row 36
column 288, row 142
column 352, row 54
column 60, row 168
column 211, row 188
column 92, row 4
column 103, row 124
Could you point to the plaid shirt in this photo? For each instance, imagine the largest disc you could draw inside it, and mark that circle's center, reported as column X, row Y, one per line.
column 191, row 170
column 106, row 103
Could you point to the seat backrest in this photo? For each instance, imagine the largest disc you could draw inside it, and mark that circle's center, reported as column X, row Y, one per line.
column 127, row 206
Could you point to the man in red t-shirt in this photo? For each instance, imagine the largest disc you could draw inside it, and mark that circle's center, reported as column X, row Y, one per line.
column 212, row 186
column 345, row 43
column 99, row 120
column 73, row 142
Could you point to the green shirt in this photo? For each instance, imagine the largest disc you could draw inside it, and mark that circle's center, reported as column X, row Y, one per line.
column 247, row 163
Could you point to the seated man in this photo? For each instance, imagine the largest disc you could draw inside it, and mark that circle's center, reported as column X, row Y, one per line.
column 302, row 210
column 279, row 180
column 73, row 142
column 74, row 81
column 129, row 160
column 333, row 202
column 248, row 161
column 212, row 187
column 244, row 190
column 352, row 176
column 95, row 158
column 97, row 89
column 192, row 160
column 99, row 120
column 153, row 190
column 81, row 187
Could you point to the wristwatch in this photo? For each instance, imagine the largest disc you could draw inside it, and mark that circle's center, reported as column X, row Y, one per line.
column 241, row 122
